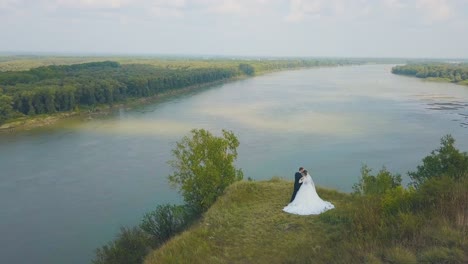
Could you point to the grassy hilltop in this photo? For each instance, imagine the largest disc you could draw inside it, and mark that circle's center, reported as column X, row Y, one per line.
column 247, row 225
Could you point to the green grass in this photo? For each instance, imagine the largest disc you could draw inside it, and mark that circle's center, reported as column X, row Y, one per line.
column 247, row 225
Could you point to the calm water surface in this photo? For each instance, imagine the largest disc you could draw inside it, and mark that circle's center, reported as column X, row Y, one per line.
column 66, row 190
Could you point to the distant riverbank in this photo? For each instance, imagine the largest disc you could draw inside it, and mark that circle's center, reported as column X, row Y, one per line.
column 31, row 122
column 43, row 96
column 435, row 72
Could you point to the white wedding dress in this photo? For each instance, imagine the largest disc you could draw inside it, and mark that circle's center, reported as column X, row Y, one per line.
column 307, row 201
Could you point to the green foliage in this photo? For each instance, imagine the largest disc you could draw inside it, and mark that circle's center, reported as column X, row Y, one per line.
column 445, row 196
column 6, row 107
column 52, row 88
column 204, row 166
column 400, row 255
column 133, row 244
column 437, row 255
column 447, row 160
column 457, row 73
column 165, row 222
column 247, row 69
column 376, row 184
column 130, row 247
column 398, row 199
column 403, row 226
column 447, row 235
column 372, row 259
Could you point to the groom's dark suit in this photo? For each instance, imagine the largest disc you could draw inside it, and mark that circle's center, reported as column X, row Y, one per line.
column 297, row 184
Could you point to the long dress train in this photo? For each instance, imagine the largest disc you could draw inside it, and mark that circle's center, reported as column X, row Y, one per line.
column 307, row 201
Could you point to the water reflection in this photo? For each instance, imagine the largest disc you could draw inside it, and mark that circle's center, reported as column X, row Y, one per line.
column 455, row 106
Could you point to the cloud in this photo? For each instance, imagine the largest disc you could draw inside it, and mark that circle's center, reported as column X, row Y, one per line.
column 435, row 10
column 394, row 3
column 290, row 10
column 299, row 9
column 92, row 4
column 429, row 10
column 175, row 8
column 7, row 3
column 247, row 27
column 168, row 8
column 239, row 7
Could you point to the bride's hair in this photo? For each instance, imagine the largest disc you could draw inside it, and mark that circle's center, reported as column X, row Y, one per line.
column 304, row 172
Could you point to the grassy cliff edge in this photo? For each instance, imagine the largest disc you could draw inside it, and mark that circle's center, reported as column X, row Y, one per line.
column 247, row 225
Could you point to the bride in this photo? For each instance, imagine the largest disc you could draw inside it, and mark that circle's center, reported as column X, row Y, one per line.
column 307, row 201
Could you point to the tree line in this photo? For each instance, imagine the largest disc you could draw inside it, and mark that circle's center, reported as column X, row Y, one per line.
column 51, row 89
column 456, row 73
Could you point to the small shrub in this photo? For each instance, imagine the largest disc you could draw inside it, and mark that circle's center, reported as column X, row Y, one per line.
column 439, row 255
column 444, row 161
column 367, row 216
column 130, row 247
column 398, row 199
column 376, row 184
column 408, row 226
column 276, row 179
column 445, row 235
column 400, row 255
column 372, row 259
column 433, row 191
column 166, row 221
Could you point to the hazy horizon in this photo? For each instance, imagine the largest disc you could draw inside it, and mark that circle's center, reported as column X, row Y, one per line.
column 205, row 56
column 426, row 29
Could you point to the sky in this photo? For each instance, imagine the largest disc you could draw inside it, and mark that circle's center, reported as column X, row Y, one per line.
column 303, row 28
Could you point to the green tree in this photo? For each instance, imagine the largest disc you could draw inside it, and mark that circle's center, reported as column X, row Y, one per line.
column 247, row 69
column 445, row 161
column 376, row 184
column 6, row 107
column 204, row 166
column 130, row 247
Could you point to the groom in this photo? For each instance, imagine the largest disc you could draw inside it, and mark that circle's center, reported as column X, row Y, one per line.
column 297, row 184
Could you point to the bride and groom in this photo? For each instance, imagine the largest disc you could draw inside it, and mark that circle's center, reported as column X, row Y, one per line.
column 305, row 200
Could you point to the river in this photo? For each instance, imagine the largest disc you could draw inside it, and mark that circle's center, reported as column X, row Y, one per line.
column 66, row 189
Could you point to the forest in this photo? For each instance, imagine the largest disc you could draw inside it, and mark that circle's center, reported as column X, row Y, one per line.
column 449, row 72
column 60, row 88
